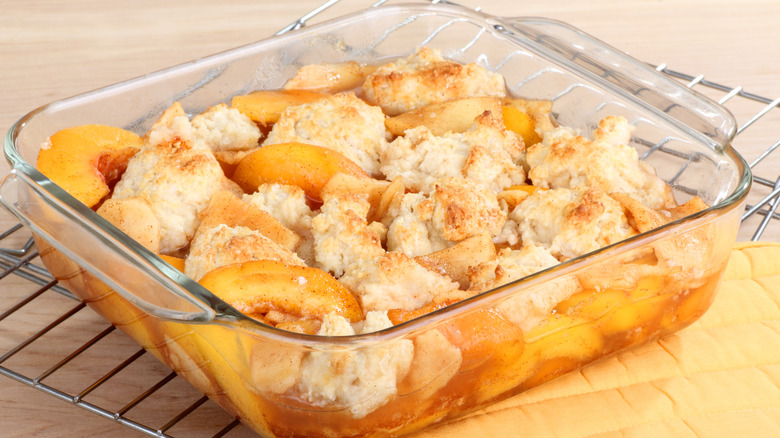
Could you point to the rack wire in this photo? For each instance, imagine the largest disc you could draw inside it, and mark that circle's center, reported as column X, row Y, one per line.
column 192, row 414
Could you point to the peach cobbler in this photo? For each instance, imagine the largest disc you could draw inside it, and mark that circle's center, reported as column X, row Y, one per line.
column 360, row 197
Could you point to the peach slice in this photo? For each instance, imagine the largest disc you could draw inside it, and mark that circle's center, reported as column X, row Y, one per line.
column 134, row 216
column 329, row 77
column 456, row 260
column 176, row 262
column 398, row 316
column 528, row 117
column 257, row 287
column 691, row 305
column 484, row 335
column 306, row 166
column 307, row 326
column 526, row 188
column 644, row 306
column 565, row 336
column 342, row 183
column 592, row 304
column 549, row 369
column 85, row 160
column 521, row 123
column 435, row 362
column 452, row 116
column 226, row 208
column 514, row 195
column 560, row 344
column 266, row 106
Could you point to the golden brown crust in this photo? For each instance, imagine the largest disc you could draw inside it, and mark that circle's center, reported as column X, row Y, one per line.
column 607, row 162
column 463, row 210
column 426, row 77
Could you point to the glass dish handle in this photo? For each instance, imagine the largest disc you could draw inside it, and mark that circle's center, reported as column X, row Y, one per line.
column 617, row 71
column 139, row 276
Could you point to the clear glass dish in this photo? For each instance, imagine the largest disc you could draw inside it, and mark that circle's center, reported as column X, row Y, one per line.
column 458, row 358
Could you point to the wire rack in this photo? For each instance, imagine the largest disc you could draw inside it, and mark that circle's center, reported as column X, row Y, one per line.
column 32, row 354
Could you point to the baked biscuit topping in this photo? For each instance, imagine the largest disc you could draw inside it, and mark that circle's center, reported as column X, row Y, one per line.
column 361, row 380
column 395, row 281
column 341, row 122
column 426, row 77
column 287, row 203
column 607, row 162
column 226, row 129
column 569, row 223
column 342, row 235
column 454, row 210
column 177, row 175
column 534, row 306
column 487, row 153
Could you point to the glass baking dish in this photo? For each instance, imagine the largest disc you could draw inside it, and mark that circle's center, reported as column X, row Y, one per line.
column 448, row 362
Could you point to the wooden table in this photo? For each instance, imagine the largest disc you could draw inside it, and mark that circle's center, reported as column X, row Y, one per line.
column 51, row 50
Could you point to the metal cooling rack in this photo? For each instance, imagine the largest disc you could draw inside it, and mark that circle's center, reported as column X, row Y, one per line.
column 192, row 411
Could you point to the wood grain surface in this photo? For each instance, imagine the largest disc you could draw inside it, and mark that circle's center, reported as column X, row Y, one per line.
column 50, row 50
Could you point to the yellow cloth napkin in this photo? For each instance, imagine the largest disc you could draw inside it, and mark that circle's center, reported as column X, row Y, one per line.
column 720, row 377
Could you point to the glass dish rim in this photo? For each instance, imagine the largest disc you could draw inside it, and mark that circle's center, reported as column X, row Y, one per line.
column 235, row 318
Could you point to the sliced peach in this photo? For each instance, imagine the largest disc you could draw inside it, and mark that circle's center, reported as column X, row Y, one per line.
column 257, row 287
column 694, row 205
column 85, row 160
column 134, row 216
column 517, row 121
column 456, row 260
column 559, row 344
column 329, row 77
column 591, row 304
column 226, row 208
column 176, row 262
column 491, row 348
column 397, row 316
column 266, row 106
column 514, row 195
column 484, row 335
column 550, row 369
column 435, row 362
column 441, row 300
column 526, row 188
column 307, row 326
column 222, row 350
column 393, row 193
column 692, row 305
column 530, row 118
column 452, row 116
column 306, row 166
column 645, row 304
column 573, row 337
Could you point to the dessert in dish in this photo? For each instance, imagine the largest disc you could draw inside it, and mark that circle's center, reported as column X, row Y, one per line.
column 344, row 204
column 326, row 185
